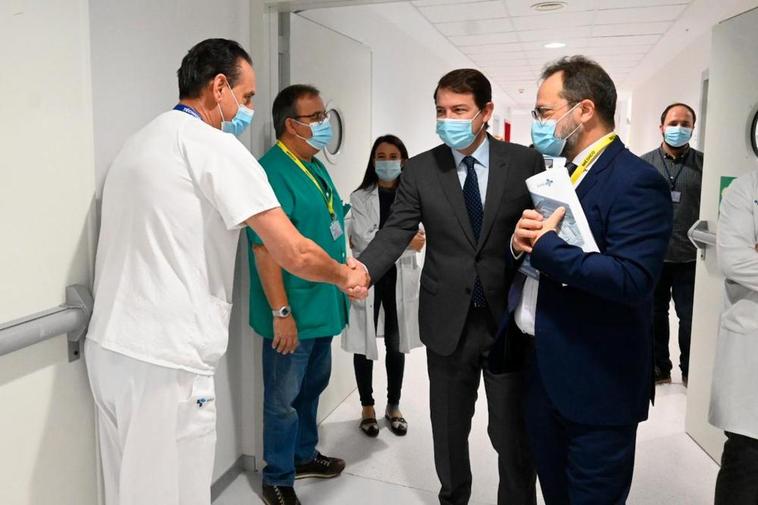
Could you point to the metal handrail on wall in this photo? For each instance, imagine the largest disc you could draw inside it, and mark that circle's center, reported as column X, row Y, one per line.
column 701, row 236
column 71, row 318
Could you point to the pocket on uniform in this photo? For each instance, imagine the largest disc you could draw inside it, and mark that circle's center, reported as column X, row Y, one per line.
column 217, row 315
column 196, row 414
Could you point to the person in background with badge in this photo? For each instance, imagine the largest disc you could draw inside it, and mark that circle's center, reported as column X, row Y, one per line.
column 682, row 166
column 297, row 318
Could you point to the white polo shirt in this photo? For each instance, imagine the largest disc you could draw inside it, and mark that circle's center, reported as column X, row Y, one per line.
column 174, row 200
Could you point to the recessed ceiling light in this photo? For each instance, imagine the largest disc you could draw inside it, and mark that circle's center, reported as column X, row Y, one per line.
column 548, row 6
column 555, row 45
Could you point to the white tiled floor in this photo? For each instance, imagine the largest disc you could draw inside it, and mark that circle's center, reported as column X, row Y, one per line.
column 670, row 468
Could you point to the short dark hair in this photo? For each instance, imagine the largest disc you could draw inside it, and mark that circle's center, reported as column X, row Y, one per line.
column 679, row 104
column 285, row 104
column 370, row 179
column 467, row 80
column 205, row 61
column 585, row 79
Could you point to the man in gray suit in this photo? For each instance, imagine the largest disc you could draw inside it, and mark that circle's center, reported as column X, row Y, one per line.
column 469, row 193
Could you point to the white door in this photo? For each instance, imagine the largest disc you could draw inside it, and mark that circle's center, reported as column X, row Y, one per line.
column 46, row 193
column 732, row 100
column 340, row 68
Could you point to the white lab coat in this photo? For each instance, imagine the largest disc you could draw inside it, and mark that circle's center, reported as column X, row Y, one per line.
column 360, row 335
column 734, row 396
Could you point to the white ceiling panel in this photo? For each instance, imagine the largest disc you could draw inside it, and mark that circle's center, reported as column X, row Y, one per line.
column 557, row 21
column 503, row 61
column 622, row 4
column 657, row 27
column 610, row 49
column 524, row 7
column 506, row 38
column 571, row 45
column 492, row 48
column 464, row 12
column 636, row 40
column 476, row 27
column 428, row 3
column 478, row 40
column 639, row 15
column 546, row 36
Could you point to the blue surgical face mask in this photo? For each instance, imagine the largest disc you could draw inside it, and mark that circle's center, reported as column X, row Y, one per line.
column 543, row 135
column 457, row 133
column 388, row 170
column 677, row 136
column 241, row 120
column 321, row 133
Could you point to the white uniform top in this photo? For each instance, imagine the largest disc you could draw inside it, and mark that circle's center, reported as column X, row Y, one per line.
column 734, row 395
column 174, row 200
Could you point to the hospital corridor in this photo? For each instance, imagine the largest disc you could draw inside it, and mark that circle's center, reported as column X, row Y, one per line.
column 379, row 252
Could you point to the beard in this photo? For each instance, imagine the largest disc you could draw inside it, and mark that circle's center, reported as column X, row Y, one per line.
column 572, row 139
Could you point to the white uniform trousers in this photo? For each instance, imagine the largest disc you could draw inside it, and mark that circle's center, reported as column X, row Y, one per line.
column 156, row 429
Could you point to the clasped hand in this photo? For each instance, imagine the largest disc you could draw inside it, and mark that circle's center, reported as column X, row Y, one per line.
column 357, row 280
column 532, row 226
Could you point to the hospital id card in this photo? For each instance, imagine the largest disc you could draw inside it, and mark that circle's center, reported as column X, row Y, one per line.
column 676, row 196
column 336, row 229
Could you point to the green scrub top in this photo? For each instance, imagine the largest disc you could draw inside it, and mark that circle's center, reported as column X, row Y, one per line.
column 319, row 309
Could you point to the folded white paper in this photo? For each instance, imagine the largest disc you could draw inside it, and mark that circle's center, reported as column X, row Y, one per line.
column 552, row 189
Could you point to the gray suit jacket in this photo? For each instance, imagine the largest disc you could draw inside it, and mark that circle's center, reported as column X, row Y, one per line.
column 430, row 192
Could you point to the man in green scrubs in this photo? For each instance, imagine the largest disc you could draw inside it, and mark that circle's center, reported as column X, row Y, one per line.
column 297, row 318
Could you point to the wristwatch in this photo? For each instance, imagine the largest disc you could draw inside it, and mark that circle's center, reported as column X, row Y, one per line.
column 282, row 312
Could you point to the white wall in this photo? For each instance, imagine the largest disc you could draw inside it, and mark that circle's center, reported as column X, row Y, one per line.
column 409, row 57
column 732, row 99
column 680, row 80
column 136, row 49
column 47, row 169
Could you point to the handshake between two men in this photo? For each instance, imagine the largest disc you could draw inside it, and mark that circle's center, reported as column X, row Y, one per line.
column 529, row 229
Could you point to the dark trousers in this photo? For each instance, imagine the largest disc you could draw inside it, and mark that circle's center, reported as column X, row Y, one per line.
column 577, row 464
column 677, row 281
column 737, row 483
column 453, row 385
column 384, row 296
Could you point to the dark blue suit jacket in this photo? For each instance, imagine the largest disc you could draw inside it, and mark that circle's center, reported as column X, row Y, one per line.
column 593, row 322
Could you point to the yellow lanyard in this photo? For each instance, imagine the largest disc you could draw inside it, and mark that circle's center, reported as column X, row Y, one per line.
column 328, row 195
column 596, row 151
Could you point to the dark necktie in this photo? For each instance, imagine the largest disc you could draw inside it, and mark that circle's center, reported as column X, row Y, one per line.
column 476, row 216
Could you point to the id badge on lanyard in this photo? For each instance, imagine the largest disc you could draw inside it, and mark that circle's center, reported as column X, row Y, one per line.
column 336, row 229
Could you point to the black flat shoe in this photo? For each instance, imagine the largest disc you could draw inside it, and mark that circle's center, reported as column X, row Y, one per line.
column 279, row 495
column 398, row 425
column 370, row 427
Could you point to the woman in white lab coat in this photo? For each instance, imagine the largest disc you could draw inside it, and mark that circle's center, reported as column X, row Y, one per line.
column 734, row 395
column 396, row 292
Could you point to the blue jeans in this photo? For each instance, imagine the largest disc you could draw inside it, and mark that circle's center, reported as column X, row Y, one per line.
column 292, row 385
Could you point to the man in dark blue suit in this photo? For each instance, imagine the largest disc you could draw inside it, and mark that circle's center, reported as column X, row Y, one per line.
column 585, row 318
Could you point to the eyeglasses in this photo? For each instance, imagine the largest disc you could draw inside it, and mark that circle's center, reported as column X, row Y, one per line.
column 538, row 113
column 316, row 117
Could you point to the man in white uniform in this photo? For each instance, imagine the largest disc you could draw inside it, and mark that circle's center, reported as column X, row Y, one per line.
column 174, row 201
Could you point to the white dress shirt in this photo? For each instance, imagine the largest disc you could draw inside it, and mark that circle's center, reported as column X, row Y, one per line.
column 526, row 312
column 482, row 166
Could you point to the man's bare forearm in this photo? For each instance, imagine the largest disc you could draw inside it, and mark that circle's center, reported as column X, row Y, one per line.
column 271, row 278
column 293, row 252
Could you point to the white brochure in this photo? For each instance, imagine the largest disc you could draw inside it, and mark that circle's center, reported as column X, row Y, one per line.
column 552, row 189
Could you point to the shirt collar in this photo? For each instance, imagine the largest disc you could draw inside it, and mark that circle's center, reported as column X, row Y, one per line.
column 580, row 157
column 669, row 157
column 481, row 155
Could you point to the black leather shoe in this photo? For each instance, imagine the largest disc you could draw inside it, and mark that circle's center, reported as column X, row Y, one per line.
column 662, row 377
column 321, row 467
column 279, row 495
